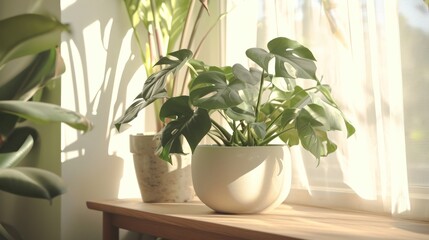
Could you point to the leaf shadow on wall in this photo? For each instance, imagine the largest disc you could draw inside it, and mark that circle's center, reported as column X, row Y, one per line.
column 99, row 67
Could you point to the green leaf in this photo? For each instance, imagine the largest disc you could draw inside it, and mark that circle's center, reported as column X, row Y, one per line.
column 7, row 124
column 193, row 125
column 155, row 86
column 133, row 110
column 179, row 10
column 299, row 98
column 28, row 34
column 325, row 90
column 34, row 77
column 245, row 76
column 324, row 113
column 8, row 232
column 288, row 116
column 210, row 90
column 45, row 113
column 31, row 182
column 292, row 60
column 290, row 137
column 286, row 47
column 310, row 139
column 17, row 146
column 350, row 128
column 259, row 129
column 133, row 9
column 313, row 135
column 247, row 84
column 260, row 57
column 241, row 112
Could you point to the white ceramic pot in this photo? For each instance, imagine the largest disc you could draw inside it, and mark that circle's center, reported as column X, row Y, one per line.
column 241, row 180
column 158, row 180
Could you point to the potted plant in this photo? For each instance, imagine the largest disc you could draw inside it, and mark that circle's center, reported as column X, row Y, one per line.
column 33, row 36
column 160, row 27
column 280, row 98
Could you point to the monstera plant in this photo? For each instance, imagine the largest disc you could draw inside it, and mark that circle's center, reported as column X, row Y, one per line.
column 281, row 98
column 30, row 41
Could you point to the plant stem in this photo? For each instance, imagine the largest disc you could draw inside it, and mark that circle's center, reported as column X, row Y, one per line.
column 215, row 139
column 258, row 103
column 197, row 50
column 221, row 130
column 195, row 27
column 269, row 139
column 187, row 22
column 181, row 43
column 156, row 28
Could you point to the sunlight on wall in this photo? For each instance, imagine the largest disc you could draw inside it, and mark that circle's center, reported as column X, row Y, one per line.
column 95, row 68
column 69, row 51
column 66, row 4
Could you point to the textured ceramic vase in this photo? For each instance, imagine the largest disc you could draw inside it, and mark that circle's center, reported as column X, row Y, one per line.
column 241, row 180
column 158, row 180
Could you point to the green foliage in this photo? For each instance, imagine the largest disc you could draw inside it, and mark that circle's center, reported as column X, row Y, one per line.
column 160, row 27
column 155, row 86
column 282, row 99
column 36, row 37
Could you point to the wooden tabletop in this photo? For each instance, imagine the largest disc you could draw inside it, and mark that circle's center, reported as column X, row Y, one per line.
column 194, row 220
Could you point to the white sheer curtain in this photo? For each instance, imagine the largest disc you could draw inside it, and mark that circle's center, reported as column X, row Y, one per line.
column 357, row 44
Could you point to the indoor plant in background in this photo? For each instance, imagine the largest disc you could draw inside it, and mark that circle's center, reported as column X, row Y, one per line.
column 36, row 37
column 160, row 27
column 280, row 98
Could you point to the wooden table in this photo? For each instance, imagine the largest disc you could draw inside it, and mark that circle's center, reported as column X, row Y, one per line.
column 195, row 221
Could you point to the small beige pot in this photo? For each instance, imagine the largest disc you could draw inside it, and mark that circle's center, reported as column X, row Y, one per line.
column 158, row 180
column 241, row 180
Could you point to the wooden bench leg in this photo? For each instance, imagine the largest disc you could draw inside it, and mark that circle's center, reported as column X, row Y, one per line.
column 110, row 231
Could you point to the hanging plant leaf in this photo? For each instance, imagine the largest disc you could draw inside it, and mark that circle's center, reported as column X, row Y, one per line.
column 45, row 113
column 28, row 34
column 31, row 182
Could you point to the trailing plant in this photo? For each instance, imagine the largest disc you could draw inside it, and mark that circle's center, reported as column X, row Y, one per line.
column 160, row 27
column 34, row 37
column 280, row 98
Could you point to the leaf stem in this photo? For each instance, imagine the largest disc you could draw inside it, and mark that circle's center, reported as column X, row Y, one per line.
column 258, row 103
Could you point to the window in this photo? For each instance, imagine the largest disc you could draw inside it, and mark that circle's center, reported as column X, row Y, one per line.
column 374, row 54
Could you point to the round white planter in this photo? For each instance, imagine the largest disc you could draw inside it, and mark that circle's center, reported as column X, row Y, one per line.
column 158, row 180
column 241, row 179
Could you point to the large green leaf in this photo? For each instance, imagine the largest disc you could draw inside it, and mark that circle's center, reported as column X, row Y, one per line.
column 328, row 115
column 179, row 10
column 136, row 10
column 292, row 59
column 193, row 125
column 210, row 90
column 45, row 113
column 132, row 111
column 31, row 182
column 155, row 85
column 28, row 34
column 313, row 135
column 325, row 90
column 35, row 76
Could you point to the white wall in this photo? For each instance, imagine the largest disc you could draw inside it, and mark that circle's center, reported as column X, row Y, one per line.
column 102, row 78
column 99, row 68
